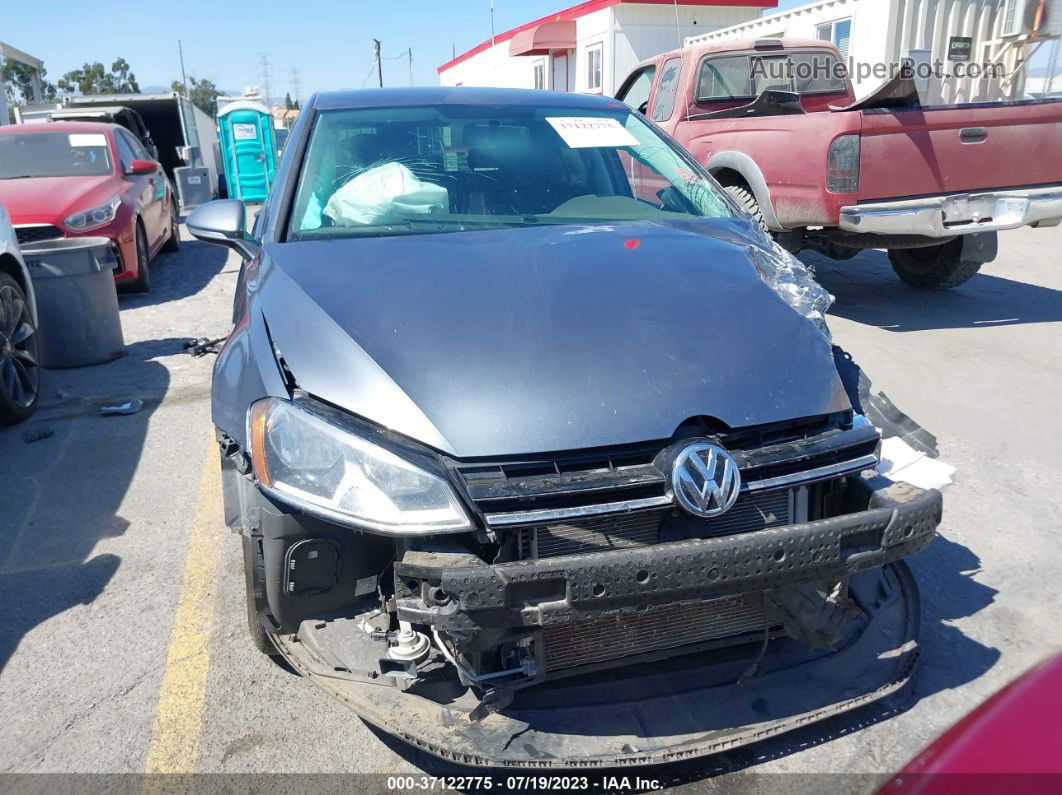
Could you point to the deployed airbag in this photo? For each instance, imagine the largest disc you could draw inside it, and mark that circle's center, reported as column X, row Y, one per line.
column 383, row 195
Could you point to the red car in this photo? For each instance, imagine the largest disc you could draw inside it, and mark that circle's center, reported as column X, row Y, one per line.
column 68, row 179
column 1011, row 743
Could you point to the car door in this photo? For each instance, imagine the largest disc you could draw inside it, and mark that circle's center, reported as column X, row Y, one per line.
column 149, row 189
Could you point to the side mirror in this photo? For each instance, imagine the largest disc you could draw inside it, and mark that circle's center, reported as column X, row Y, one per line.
column 142, row 167
column 223, row 223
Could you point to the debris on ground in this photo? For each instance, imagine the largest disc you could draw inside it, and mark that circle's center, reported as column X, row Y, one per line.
column 203, row 346
column 131, row 406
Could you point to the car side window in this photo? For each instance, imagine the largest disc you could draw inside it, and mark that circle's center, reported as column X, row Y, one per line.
column 138, row 149
column 667, row 89
column 125, row 152
column 724, row 78
column 635, row 94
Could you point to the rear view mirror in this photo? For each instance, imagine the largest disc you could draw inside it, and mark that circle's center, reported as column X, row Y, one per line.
column 223, row 223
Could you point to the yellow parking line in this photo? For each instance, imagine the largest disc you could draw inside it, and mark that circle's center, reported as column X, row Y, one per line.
column 178, row 723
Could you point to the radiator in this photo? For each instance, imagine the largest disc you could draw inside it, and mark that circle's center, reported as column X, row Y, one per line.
column 656, row 629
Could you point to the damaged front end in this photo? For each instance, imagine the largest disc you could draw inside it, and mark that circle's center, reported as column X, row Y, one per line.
column 590, row 618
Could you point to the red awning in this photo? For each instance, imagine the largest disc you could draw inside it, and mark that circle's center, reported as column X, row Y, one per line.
column 539, row 40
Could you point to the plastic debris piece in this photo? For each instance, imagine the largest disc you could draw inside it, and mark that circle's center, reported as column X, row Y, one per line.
column 900, row 461
column 131, row 406
column 792, row 280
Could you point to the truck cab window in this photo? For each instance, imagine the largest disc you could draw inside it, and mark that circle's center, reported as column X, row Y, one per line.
column 724, row 78
column 635, row 94
column 666, row 92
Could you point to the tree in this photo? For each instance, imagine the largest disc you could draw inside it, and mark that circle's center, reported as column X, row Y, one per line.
column 203, row 94
column 18, row 80
column 92, row 79
column 288, row 104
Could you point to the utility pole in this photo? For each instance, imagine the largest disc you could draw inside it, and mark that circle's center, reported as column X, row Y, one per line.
column 379, row 63
column 295, row 82
column 492, row 23
column 184, row 78
column 266, row 70
column 411, row 66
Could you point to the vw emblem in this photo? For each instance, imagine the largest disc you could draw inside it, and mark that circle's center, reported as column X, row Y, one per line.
column 706, row 480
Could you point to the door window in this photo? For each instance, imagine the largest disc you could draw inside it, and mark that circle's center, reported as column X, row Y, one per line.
column 125, row 151
column 635, row 94
column 138, row 148
column 667, row 90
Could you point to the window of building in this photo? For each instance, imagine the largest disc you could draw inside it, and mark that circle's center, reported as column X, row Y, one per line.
column 593, row 68
column 540, row 75
column 839, row 32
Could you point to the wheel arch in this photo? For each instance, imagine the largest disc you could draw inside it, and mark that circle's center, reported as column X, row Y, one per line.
column 737, row 168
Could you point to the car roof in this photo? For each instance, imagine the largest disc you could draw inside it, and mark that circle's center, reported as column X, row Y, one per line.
column 59, row 126
column 460, row 95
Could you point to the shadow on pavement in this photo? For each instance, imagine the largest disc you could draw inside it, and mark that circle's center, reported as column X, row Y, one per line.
column 868, row 292
column 179, row 275
column 949, row 659
column 60, row 496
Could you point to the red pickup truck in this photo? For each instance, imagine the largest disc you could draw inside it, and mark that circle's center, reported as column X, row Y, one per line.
column 777, row 124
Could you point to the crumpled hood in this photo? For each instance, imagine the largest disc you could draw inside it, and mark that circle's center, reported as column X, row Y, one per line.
column 540, row 339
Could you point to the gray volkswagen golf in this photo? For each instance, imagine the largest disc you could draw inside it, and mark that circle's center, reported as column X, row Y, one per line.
column 540, row 451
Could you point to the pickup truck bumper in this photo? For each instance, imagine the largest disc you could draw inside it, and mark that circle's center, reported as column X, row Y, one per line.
column 956, row 214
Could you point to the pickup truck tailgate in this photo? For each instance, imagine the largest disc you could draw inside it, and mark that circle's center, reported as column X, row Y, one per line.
column 959, row 149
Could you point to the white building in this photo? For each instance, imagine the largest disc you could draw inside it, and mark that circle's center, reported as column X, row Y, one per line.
column 948, row 33
column 592, row 47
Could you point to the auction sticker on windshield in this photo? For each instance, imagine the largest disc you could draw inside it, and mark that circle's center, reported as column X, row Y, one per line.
column 586, row 132
column 88, row 139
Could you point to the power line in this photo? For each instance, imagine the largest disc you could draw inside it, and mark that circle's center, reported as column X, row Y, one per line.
column 265, row 68
column 295, row 83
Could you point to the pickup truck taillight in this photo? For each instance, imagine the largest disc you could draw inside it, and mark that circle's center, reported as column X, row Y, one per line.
column 842, row 167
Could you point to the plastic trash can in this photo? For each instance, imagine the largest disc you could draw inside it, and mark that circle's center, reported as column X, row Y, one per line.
column 77, row 304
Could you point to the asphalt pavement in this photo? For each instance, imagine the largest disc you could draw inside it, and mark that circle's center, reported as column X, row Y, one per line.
column 123, row 641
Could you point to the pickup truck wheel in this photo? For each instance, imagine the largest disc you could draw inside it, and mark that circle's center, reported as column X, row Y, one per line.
column 743, row 196
column 933, row 268
column 254, row 572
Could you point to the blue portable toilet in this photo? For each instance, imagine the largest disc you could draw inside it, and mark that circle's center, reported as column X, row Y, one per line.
column 248, row 149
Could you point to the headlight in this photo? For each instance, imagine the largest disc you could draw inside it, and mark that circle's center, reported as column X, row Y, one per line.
column 97, row 216
column 314, row 464
column 788, row 277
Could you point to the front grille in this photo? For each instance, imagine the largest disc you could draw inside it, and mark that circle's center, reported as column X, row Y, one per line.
column 595, row 535
column 642, row 528
column 654, row 630
column 36, row 234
